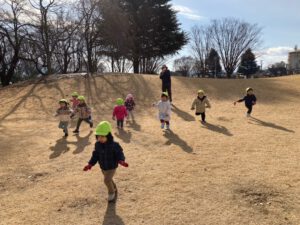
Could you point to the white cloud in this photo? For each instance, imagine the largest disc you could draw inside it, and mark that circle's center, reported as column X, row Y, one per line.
column 187, row 12
column 273, row 55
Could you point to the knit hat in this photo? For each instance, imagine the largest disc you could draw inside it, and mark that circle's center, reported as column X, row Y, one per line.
column 120, row 101
column 81, row 98
column 75, row 94
column 249, row 89
column 63, row 101
column 103, row 128
column 164, row 94
column 129, row 96
column 200, row 92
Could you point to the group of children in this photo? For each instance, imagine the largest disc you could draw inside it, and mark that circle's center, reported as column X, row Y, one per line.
column 108, row 153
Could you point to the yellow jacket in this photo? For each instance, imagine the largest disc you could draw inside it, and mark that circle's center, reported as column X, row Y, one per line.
column 200, row 104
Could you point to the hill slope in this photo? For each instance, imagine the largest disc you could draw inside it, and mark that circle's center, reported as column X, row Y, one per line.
column 232, row 171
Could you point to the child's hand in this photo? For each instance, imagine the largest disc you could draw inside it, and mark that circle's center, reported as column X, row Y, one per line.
column 122, row 163
column 253, row 103
column 87, row 167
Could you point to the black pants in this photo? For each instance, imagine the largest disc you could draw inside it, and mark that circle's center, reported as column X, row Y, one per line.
column 79, row 121
column 202, row 116
column 167, row 88
column 120, row 123
column 249, row 107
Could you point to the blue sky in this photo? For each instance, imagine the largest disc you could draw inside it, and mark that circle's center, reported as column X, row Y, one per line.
column 279, row 19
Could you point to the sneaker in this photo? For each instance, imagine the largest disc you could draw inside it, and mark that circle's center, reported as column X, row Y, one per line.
column 168, row 127
column 111, row 197
column 248, row 115
column 91, row 125
column 76, row 131
column 162, row 126
column 66, row 134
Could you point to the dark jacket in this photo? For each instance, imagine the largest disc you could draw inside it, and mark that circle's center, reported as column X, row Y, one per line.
column 129, row 103
column 249, row 100
column 107, row 155
column 165, row 77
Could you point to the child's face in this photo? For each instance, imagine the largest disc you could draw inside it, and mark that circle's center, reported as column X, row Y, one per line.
column 81, row 101
column 102, row 139
column 74, row 97
column 200, row 95
column 250, row 92
column 61, row 104
column 164, row 98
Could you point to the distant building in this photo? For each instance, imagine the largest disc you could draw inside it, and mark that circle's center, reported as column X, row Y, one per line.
column 294, row 61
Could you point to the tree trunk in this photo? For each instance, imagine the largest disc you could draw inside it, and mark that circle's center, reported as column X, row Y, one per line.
column 136, row 65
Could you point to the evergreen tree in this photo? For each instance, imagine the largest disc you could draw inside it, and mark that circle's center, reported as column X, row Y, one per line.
column 153, row 30
column 213, row 62
column 248, row 64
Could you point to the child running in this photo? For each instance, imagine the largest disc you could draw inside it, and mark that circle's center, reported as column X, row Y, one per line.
column 249, row 99
column 84, row 113
column 74, row 100
column 64, row 112
column 164, row 110
column 201, row 103
column 108, row 154
column 130, row 104
column 119, row 113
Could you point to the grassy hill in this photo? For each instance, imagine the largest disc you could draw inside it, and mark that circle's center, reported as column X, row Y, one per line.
column 233, row 171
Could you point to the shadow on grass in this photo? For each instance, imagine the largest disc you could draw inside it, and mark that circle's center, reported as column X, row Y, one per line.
column 217, row 128
column 124, row 135
column 60, row 147
column 270, row 125
column 182, row 114
column 111, row 217
column 176, row 140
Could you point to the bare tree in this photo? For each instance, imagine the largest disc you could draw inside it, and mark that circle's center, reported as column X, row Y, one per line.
column 184, row 65
column 201, row 44
column 231, row 38
column 12, row 34
column 89, row 17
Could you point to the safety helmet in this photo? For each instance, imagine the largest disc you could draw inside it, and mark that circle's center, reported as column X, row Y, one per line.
column 103, row 128
column 120, row 101
column 81, row 98
column 75, row 94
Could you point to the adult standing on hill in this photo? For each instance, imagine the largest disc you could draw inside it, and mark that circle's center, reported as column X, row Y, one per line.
column 165, row 76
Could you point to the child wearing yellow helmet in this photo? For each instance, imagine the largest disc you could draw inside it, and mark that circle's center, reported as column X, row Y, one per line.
column 108, row 154
column 249, row 99
column 64, row 112
column 119, row 113
column 164, row 110
column 200, row 104
column 84, row 113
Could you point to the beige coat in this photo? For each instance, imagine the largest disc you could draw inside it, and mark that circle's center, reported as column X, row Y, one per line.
column 200, row 105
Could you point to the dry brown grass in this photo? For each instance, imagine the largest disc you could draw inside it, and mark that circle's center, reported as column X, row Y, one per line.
column 233, row 171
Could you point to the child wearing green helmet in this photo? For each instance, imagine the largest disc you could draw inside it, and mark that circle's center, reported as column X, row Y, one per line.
column 74, row 100
column 64, row 112
column 119, row 113
column 108, row 154
column 249, row 99
column 84, row 114
column 164, row 110
column 200, row 104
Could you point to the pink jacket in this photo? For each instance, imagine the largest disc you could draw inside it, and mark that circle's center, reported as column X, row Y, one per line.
column 120, row 112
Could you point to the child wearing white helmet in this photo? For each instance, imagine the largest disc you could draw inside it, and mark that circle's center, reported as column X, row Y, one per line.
column 64, row 112
column 129, row 104
column 164, row 110
column 249, row 99
column 84, row 114
column 108, row 154
column 200, row 104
